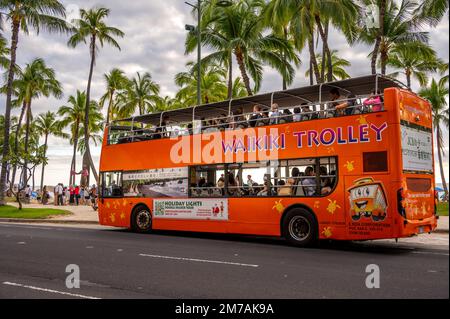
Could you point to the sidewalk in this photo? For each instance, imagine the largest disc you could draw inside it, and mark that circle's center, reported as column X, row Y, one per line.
column 80, row 215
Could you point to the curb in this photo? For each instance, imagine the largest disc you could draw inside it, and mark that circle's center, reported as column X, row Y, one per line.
column 47, row 221
column 441, row 231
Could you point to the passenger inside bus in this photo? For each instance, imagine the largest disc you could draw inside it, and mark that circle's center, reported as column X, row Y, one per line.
column 309, row 183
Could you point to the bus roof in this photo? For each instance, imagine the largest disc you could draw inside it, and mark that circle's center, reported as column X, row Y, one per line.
column 309, row 94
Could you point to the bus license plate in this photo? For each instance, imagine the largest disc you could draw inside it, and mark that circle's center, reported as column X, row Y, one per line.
column 421, row 230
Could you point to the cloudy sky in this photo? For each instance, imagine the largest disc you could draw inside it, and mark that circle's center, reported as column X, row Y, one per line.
column 153, row 42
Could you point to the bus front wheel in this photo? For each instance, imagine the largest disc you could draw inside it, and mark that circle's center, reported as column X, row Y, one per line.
column 300, row 228
column 141, row 219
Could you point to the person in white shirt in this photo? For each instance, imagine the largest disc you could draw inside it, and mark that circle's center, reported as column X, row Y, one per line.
column 275, row 115
column 59, row 194
column 309, row 184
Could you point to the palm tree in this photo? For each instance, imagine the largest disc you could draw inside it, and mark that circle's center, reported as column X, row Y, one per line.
column 95, row 128
column 414, row 61
column 46, row 124
column 116, row 81
column 212, row 84
column 141, row 94
column 36, row 80
column 437, row 94
column 398, row 28
column 23, row 15
column 73, row 116
column 92, row 26
column 431, row 11
column 4, row 53
column 239, row 30
column 339, row 65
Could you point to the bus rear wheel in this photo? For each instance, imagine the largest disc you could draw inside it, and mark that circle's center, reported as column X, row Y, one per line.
column 300, row 228
column 141, row 219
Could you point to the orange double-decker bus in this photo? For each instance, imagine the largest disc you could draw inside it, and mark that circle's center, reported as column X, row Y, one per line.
column 348, row 160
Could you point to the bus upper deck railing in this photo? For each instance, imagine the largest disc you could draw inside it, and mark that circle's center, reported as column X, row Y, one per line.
column 129, row 134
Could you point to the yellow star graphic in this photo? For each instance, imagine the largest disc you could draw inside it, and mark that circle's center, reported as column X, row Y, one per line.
column 112, row 217
column 350, row 166
column 122, row 216
column 279, row 206
column 316, row 204
column 333, row 206
column 362, row 119
column 327, row 232
column 331, row 150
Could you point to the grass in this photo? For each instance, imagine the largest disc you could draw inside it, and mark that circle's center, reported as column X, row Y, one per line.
column 442, row 209
column 30, row 213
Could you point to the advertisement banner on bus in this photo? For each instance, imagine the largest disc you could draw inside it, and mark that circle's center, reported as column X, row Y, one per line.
column 417, row 149
column 203, row 209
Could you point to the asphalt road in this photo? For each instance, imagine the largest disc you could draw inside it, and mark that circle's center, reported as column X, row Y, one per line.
column 116, row 263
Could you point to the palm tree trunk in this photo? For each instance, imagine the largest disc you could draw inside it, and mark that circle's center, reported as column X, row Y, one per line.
column 312, row 57
column 245, row 78
column 376, row 49
column 441, row 166
column 383, row 57
column 27, row 138
column 283, row 55
column 408, row 78
column 230, row 76
column 311, row 76
column 9, row 86
column 326, row 48
column 74, row 154
column 111, row 96
column 43, row 165
column 33, row 179
column 16, row 140
column 86, row 114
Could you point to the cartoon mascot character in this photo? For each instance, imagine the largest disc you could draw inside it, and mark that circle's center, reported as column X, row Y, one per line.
column 368, row 200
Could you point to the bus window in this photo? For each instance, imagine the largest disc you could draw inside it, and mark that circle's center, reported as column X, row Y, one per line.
column 112, row 184
column 207, row 181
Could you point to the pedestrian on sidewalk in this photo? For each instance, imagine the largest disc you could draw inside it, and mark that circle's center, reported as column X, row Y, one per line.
column 77, row 194
column 59, row 194
column 45, row 196
column 82, row 195
column 72, row 195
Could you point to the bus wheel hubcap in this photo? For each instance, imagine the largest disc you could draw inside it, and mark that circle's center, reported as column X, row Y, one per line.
column 299, row 228
column 143, row 219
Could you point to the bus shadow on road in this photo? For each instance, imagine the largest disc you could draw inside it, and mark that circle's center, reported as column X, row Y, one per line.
column 372, row 247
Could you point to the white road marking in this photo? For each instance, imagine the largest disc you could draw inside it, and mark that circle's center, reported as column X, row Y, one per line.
column 89, row 247
column 200, row 260
column 48, row 290
column 21, row 243
column 429, row 253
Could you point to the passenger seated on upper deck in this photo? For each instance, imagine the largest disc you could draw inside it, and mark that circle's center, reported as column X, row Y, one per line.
column 347, row 107
column 306, row 112
column 297, row 117
column 375, row 100
column 275, row 115
column 335, row 96
column 264, row 120
column 239, row 120
column 286, row 117
column 256, row 116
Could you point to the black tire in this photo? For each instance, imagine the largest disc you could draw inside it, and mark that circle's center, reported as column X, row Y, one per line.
column 300, row 228
column 141, row 219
